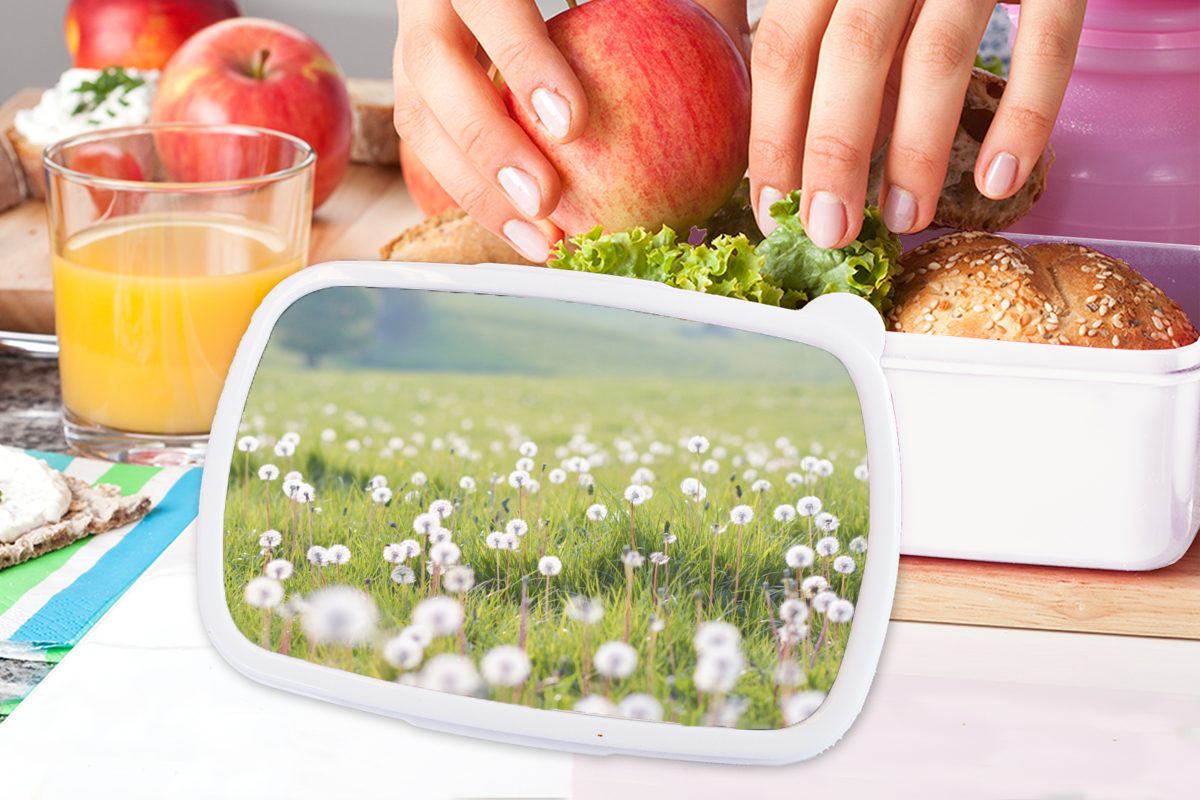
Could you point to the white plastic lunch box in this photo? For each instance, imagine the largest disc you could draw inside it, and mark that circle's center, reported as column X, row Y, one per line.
column 1066, row 456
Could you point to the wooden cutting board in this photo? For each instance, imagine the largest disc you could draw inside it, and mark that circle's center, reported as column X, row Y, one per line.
column 372, row 206
column 368, row 210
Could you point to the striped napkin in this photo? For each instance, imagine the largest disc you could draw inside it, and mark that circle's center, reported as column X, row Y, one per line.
column 48, row 603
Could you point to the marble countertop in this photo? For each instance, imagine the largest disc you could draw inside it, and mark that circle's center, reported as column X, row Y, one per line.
column 29, row 402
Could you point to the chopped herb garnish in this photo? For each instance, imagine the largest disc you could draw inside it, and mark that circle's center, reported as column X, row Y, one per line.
column 112, row 79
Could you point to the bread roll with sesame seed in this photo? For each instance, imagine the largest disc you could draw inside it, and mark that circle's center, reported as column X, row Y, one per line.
column 982, row 286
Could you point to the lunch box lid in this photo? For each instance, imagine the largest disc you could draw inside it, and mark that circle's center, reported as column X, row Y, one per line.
column 845, row 326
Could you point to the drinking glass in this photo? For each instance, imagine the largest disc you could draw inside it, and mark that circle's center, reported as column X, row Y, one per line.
column 164, row 238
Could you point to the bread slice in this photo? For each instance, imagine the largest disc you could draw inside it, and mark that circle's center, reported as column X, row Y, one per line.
column 375, row 139
column 451, row 238
column 960, row 204
column 986, row 287
column 93, row 510
column 12, row 176
column 29, row 156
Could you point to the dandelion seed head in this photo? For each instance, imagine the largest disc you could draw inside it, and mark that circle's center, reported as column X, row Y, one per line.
column 586, row 480
column 284, row 449
column 459, row 579
column 822, row 600
column 640, row 706
column 440, row 534
column 659, row 558
column 794, row 479
column 669, row 538
column 403, row 652
column 635, row 495
column 716, row 636
column 826, row 522
column 506, row 665
column 615, row 660
column 844, row 564
column 840, row 611
column 418, row 479
column 452, row 673
column 425, row 524
column 828, row 546
column 328, row 436
column 813, row 584
column 693, row 489
column 793, row 610
column 247, row 444
column 710, row 466
column 443, row 616
column 268, row 472
column 280, row 569
column 517, row 527
column 741, row 515
column 587, row 610
column 717, row 672
column 809, row 463
column 808, row 506
column 800, row 706
column 528, row 449
column 444, row 554
column 657, row 624
column 419, row 634
column 340, row 615
column 338, row 554
column 784, row 513
column 466, row 483
column 697, row 445
column 823, row 469
column 761, row 485
column 376, row 482
column 524, row 465
column 495, row 540
column 510, row 541
column 632, row 558
column 790, row 633
column 264, row 592
column 595, row 704
column 518, row 478
column 642, row 476
column 549, row 566
column 862, row 473
column 270, row 539
column 557, row 476
column 381, row 495
column 727, row 713
column 857, row 545
column 317, row 555
column 799, row 556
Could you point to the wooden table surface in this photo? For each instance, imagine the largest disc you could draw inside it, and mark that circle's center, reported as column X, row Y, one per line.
column 372, row 206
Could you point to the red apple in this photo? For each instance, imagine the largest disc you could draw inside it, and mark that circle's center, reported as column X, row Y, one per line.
column 668, row 115
column 107, row 160
column 262, row 73
column 428, row 194
column 137, row 33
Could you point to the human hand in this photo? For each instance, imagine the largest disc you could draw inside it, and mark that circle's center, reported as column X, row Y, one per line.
column 449, row 112
column 833, row 78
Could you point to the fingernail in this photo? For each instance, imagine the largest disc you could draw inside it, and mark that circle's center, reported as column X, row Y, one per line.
column 553, row 111
column 1001, row 175
column 826, row 219
column 528, row 240
column 522, row 189
column 767, row 197
column 899, row 210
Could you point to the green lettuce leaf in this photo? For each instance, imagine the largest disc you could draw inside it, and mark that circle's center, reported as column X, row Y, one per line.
column 786, row 269
column 864, row 267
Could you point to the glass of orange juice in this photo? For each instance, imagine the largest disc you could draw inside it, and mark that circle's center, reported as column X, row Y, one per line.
column 164, row 238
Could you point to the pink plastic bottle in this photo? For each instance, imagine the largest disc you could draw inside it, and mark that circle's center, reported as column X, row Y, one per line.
column 1127, row 142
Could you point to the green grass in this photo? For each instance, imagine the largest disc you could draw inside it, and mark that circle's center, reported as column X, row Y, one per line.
column 372, row 407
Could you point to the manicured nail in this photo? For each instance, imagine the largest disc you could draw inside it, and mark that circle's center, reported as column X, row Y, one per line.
column 528, row 240
column 1001, row 175
column 767, row 197
column 826, row 219
column 522, row 189
column 553, row 111
column 899, row 210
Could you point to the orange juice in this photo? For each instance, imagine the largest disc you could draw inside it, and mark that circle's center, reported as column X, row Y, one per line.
column 149, row 312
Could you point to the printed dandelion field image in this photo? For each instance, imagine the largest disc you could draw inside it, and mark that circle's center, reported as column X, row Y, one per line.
column 563, row 506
